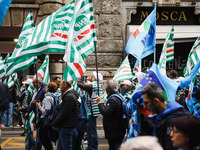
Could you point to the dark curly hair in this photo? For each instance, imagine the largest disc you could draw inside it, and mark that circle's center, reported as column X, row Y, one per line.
column 190, row 126
column 52, row 87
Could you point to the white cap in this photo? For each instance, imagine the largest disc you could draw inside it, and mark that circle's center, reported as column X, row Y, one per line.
column 127, row 82
column 100, row 77
column 28, row 81
column 179, row 79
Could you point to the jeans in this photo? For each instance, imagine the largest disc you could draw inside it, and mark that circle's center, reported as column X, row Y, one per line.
column 92, row 134
column 79, row 133
column 8, row 115
column 3, row 119
column 30, row 141
column 38, row 142
column 44, row 137
column 65, row 138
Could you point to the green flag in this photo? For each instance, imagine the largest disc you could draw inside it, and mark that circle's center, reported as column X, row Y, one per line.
column 193, row 58
column 167, row 51
column 82, row 40
column 50, row 35
column 2, row 68
column 124, row 71
column 25, row 62
column 42, row 72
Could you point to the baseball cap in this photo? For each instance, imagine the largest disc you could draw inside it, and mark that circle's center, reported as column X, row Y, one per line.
column 127, row 82
column 28, row 81
column 100, row 77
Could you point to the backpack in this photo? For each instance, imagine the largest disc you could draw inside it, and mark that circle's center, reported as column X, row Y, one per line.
column 83, row 107
column 126, row 110
column 53, row 135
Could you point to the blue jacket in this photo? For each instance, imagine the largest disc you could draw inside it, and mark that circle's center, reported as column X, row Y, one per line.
column 162, row 125
column 40, row 96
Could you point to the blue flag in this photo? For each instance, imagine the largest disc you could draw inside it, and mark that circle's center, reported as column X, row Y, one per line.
column 168, row 85
column 187, row 80
column 143, row 41
column 4, row 6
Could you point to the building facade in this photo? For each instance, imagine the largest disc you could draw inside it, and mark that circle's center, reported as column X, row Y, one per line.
column 115, row 21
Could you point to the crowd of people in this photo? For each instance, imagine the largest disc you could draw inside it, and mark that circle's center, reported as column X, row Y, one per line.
column 61, row 114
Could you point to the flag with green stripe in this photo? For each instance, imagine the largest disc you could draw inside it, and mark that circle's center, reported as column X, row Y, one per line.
column 25, row 62
column 75, row 86
column 82, row 40
column 12, row 80
column 2, row 68
column 124, row 71
column 193, row 57
column 50, row 35
column 42, row 72
column 167, row 54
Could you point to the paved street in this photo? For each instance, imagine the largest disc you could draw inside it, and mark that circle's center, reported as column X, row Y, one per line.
column 12, row 140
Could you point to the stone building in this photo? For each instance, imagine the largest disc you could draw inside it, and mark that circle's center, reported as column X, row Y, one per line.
column 115, row 20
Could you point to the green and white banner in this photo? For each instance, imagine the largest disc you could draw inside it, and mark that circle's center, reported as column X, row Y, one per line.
column 42, row 72
column 24, row 62
column 193, row 58
column 82, row 40
column 50, row 35
column 167, row 54
column 124, row 71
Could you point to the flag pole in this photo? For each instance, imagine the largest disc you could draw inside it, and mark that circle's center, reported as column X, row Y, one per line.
column 97, row 70
column 35, row 71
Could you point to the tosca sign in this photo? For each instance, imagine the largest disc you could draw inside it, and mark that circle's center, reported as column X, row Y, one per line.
column 167, row 16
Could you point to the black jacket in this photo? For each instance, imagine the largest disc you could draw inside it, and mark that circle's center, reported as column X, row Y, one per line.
column 68, row 115
column 4, row 97
column 162, row 125
column 112, row 117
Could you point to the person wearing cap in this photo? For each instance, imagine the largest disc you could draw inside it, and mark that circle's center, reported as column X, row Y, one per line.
column 93, row 110
column 24, row 99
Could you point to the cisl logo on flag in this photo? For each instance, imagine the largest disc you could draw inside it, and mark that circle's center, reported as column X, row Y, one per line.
column 58, row 25
column 82, row 21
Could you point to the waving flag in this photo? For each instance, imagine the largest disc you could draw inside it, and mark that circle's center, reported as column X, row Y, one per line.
column 124, row 71
column 167, row 51
column 193, row 57
column 2, row 68
column 12, row 79
column 42, row 72
column 25, row 62
column 143, row 41
column 82, row 40
column 168, row 85
column 5, row 4
column 187, row 80
column 50, row 35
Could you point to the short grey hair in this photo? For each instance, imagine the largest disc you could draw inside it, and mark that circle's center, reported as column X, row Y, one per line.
column 142, row 143
column 38, row 78
column 111, row 86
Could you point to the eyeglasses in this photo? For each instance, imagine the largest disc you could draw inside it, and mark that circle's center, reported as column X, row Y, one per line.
column 175, row 131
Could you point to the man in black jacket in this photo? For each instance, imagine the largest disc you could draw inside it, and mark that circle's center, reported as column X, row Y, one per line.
column 4, row 103
column 112, row 116
column 67, row 117
column 154, row 101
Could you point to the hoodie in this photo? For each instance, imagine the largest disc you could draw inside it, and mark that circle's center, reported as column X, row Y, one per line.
column 162, row 126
